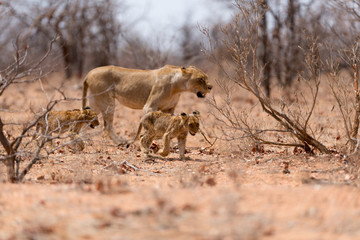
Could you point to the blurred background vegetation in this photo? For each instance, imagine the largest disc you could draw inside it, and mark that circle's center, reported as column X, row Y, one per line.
column 92, row 34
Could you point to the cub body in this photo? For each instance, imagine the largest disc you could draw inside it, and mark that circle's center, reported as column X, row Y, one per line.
column 67, row 121
column 167, row 126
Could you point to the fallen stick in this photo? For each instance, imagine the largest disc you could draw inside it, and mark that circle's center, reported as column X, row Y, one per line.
column 125, row 164
column 211, row 144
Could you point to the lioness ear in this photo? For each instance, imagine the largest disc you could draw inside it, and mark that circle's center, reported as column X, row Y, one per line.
column 183, row 68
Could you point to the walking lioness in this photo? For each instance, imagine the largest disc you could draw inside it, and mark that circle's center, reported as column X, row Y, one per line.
column 150, row 90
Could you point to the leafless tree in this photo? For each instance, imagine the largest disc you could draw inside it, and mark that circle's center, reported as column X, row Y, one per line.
column 291, row 20
column 266, row 49
column 291, row 49
column 136, row 52
column 245, row 71
column 88, row 30
column 189, row 43
column 346, row 26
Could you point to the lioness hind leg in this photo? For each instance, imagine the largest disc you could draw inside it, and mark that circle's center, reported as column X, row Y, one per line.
column 106, row 105
column 93, row 105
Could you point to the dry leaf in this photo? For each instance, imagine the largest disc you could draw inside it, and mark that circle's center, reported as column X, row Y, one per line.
column 155, row 147
column 42, row 177
column 210, row 182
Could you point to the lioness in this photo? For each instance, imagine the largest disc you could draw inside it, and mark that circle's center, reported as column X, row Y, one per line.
column 67, row 121
column 167, row 126
column 150, row 90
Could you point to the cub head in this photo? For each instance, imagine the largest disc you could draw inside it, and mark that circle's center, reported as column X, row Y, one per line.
column 193, row 122
column 197, row 81
column 89, row 116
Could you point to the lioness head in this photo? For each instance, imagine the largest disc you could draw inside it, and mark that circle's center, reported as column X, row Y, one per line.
column 197, row 81
column 90, row 116
column 192, row 122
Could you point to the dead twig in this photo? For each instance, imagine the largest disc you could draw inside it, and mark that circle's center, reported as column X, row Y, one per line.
column 125, row 166
column 211, row 144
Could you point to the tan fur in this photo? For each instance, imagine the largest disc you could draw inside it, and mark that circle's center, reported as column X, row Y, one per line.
column 151, row 90
column 67, row 121
column 167, row 126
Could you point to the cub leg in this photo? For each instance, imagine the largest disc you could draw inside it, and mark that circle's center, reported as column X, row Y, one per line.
column 46, row 136
column 145, row 142
column 181, row 145
column 77, row 144
column 166, row 148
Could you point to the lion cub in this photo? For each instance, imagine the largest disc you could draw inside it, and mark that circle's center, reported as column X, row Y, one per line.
column 167, row 126
column 67, row 121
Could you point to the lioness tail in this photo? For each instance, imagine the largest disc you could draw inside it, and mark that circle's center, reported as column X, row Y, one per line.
column 136, row 136
column 85, row 88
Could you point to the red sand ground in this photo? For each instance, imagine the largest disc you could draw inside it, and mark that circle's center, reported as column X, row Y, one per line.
column 224, row 192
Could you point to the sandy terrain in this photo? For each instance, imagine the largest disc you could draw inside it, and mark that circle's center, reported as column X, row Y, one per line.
column 226, row 191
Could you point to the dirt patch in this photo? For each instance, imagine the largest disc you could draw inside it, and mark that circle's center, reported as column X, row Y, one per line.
column 227, row 191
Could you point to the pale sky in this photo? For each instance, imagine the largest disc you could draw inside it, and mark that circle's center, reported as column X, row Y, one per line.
column 168, row 16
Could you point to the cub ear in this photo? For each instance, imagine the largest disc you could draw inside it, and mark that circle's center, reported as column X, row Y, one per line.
column 185, row 70
column 87, row 107
column 196, row 112
column 183, row 114
column 82, row 115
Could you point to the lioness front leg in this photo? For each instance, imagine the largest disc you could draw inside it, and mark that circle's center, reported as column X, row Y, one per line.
column 108, row 127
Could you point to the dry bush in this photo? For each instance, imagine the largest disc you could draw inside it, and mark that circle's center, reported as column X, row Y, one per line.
column 346, row 94
column 353, row 168
column 17, row 136
column 244, row 71
column 20, row 71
